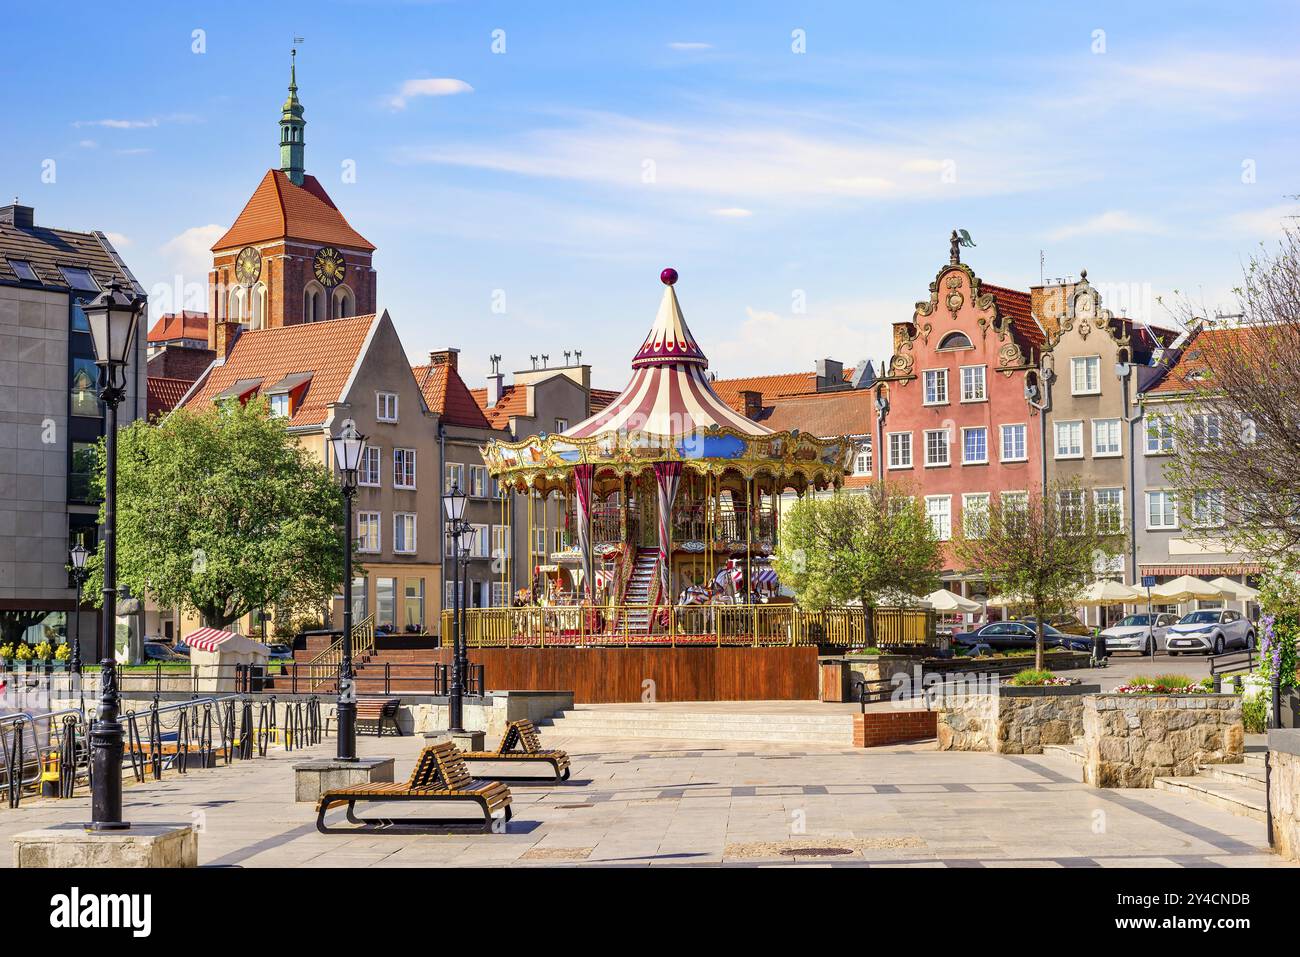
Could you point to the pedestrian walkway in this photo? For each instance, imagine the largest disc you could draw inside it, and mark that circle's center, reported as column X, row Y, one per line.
column 643, row 802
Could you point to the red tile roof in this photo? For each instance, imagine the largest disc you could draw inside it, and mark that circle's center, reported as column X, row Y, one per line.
column 280, row 210
column 823, row 414
column 183, row 325
column 163, row 394
column 446, row 394
column 514, row 401
column 1016, row 305
column 601, row 398
column 1189, row 367
column 771, row 386
column 328, row 350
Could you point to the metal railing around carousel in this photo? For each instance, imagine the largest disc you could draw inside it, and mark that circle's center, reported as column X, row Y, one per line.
column 773, row 625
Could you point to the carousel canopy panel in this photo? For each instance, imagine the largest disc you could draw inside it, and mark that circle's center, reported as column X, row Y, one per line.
column 669, row 412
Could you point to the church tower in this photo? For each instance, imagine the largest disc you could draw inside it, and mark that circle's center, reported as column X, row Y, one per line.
column 290, row 255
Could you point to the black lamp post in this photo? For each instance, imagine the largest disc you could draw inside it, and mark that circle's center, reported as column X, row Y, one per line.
column 77, row 558
column 453, row 503
column 348, row 448
column 113, row 316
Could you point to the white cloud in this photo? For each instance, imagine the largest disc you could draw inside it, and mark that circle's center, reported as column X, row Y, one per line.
column 118, row 124
column 1266, row 223
column 766, row 342
column 88, row 144
column 687, row 45
column 1108, row 223
column 189, row 254
column 733, row 212
column 432, row 86
column 118, row 240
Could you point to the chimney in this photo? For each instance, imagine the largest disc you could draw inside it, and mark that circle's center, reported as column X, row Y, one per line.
column 17, row 215
column 496, row 384
column 753, row 400
column 830, row 374
column 444, row 357
column 1051, row 303
column 225, row 333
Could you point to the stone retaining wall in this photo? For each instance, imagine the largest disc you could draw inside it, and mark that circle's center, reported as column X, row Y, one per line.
column 1284, row 790
column 1012, row 720
column 1129, row 740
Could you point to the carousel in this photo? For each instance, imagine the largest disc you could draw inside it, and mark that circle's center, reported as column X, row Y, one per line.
column 666, row 498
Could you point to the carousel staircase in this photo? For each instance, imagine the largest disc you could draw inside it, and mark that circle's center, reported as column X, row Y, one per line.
column 636, row 599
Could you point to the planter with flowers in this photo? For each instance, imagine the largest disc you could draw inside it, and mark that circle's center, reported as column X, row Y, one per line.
column 1032, row 709
column 22, row 657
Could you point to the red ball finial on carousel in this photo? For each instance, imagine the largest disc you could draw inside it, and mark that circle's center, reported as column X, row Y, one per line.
column 668, row 276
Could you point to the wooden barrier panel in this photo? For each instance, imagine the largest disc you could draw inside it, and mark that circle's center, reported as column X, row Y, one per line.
column 620, row 675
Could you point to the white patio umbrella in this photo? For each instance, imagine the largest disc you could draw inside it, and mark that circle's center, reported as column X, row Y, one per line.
column 1108, row 592
column 949, row 602
column 1188, row 588
column 1236, row 591
column 1007, row 600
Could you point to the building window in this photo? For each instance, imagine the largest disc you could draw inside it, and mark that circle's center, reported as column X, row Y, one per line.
column 85, row 377
column 539, row 541
column 386, row 406
column 975, row 446
column 500, row 541
column 938, row 508
column 85, row 462
column 956, row 340
column 500, row 597
column 1106, row 439
column 414, row 618
column 449, row 595
column 1069, row 440
column 79, row 279
column 1013, row 443
column 974, row 513
column 862, row 460
column 1160, row 434
column 1085, row 375
column 23, row 270
column 936, row 447
column 936, row 386
column 368, row 535
column 342, row 303
column 280, row 405
column 561, row 425
column 368, row 473
column 900, row 450
column 313, row 303
column 482, row 547
column 1015, row 509
column 453, row 476
column 1162, row 510
column 1108, row 505
column 386, row 603
column 972, row 384
column 478, row 481
column 403, row 468
column 1207, row 429
column 1207, row 508
column 360, row 597
column 404, row 533
column 1071, row 503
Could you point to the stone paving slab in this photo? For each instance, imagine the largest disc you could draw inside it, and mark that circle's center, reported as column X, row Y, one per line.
column 636, row 802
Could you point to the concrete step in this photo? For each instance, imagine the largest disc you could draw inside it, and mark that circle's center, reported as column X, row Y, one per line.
column 1251, row 775
column 834, row 730
column 1244, row 800
column 1073, row 752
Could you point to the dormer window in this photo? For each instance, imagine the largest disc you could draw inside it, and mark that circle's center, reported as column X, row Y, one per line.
column 79, row 279
column 23, row 270
column 956, row 340
column 280, row 405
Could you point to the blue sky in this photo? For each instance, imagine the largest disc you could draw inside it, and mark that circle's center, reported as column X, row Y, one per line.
column 805, row 197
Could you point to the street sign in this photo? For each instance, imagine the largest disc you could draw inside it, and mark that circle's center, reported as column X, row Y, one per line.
column 1148, row 581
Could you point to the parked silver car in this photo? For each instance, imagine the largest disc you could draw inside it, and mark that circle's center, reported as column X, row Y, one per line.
column 1210, row 631
column 1144, row 633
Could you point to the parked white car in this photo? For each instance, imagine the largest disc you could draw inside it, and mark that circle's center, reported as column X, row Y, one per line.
column 1144, row 633
column 1210, row 632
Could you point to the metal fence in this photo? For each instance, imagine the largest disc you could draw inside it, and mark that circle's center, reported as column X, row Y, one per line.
column 775, row 625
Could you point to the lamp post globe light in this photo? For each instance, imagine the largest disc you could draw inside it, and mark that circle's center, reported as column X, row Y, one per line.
column 453, row 503
column 113, row 316
column 347, row 447
column 77, row 559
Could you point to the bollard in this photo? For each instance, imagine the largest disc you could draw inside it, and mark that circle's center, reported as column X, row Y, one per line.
column 1276, row 690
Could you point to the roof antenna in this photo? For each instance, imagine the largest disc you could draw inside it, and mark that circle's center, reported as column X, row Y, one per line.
column 577, row 356
column 567, row 354
column 496, row 363
column 534, row 358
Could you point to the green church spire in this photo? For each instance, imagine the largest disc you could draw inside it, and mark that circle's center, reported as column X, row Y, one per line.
column 291, row 128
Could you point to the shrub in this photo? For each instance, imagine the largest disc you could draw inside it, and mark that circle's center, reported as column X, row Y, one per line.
column 1254, row 714
column 1030, row 677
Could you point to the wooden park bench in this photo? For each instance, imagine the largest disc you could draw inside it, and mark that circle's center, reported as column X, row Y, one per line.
column 379, row 710
column 521, row 743
column 439, row 775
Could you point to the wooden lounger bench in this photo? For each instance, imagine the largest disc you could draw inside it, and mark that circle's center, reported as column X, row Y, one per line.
column 439, row 775
column 379, row 710
column 522, row 743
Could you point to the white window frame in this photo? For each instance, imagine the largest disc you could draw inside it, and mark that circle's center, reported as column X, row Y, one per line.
column 1119, row 436
column 1217, row 520
column 561, row 425
column 399, row 473
column 945, row 516
column 972, row 503
column 941, row 377
column 861, row 467
column 399, row 521
column 453, row 475
column 1056, row 439
column 1085, row 363
column 983, row 384
column 903, row 446
column 500, row 541
column 1200, row 435
column 1077, row 499
column 477, row 474
column 482, row 541
column 382, row 404
column 281, row 398
column 1171, row 506
column 1099, row 510
column 1164, row 434
column 1024, row 442
column 947, row 448
column 377, row 519
column 378, row 456
column 975, row 428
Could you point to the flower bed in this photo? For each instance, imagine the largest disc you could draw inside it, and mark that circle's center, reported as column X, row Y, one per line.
column 1029, row 678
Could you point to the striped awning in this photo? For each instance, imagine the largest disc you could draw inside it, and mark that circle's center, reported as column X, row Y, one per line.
column 209, row 639
column 1207, row 571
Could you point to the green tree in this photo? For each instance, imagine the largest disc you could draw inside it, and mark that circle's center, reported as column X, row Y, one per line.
column 221, row 512
column 1044, row 548
column 874, row 547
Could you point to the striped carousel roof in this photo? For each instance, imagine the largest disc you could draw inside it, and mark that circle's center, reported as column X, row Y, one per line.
column 669, row 393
